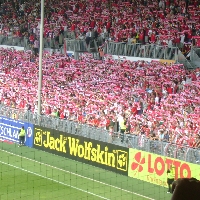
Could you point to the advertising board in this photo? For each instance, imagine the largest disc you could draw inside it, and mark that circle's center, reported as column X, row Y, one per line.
column 152, row 168
column 167, row 61
column 97, row 153
column 9, row 130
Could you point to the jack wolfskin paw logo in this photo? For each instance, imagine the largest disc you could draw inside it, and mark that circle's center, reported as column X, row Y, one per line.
column 139, row 161
column 38, row 137
column 122, row 160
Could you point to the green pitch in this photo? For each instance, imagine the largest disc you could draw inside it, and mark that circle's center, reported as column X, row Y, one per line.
column 27, row 173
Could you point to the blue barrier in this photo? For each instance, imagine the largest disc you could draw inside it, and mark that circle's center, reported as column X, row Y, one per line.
column 9, row 130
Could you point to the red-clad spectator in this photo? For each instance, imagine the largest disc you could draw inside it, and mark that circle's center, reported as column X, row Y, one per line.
column 141, row 37
column 170, row 90
column 31, row 39
column 62, row 114
column 189, row 36
column 134, row 109
column 73, row 26
column 191, row 141
column 48, row 110
column 80, row 118
column 153, row 37
column 96, row 121
column 22, row 104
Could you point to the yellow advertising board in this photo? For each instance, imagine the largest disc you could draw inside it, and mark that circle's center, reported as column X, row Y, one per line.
column 152, row 168
column 101, row 154
column 167, row 61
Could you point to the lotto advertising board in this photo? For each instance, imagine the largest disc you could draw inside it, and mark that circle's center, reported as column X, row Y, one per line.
column 9, row 130
column 152, row 168
column 99, row 154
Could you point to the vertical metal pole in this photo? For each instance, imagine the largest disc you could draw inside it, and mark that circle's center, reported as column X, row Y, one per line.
column 40, row 57
column 176, row 55
column 192, row 52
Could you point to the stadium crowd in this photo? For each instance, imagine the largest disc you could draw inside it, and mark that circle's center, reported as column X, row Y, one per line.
column 160, row 101
column 162, row 22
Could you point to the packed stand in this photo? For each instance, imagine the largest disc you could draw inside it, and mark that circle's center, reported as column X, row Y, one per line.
column 164, row 22
column 158, row 101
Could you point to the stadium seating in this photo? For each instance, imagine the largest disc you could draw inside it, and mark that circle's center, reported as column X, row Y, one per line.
column 152, row 97
column 158, row 22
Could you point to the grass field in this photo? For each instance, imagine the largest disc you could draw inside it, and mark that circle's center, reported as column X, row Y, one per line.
column 27, row 173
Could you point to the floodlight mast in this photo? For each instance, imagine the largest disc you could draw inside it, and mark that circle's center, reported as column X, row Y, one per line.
column 40, row 57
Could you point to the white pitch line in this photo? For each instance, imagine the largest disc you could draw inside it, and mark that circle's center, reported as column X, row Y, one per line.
column 54, row 180
column 80, row 175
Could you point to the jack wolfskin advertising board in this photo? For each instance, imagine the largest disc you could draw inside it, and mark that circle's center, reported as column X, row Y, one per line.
column 9, row 130
column 97, row 153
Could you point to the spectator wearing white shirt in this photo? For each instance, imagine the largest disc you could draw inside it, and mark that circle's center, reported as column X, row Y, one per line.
column 182, row 36
column 88, row 37
column 36, row 47
column 160, row 135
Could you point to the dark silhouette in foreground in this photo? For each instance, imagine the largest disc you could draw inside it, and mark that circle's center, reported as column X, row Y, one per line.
column 186, row 189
